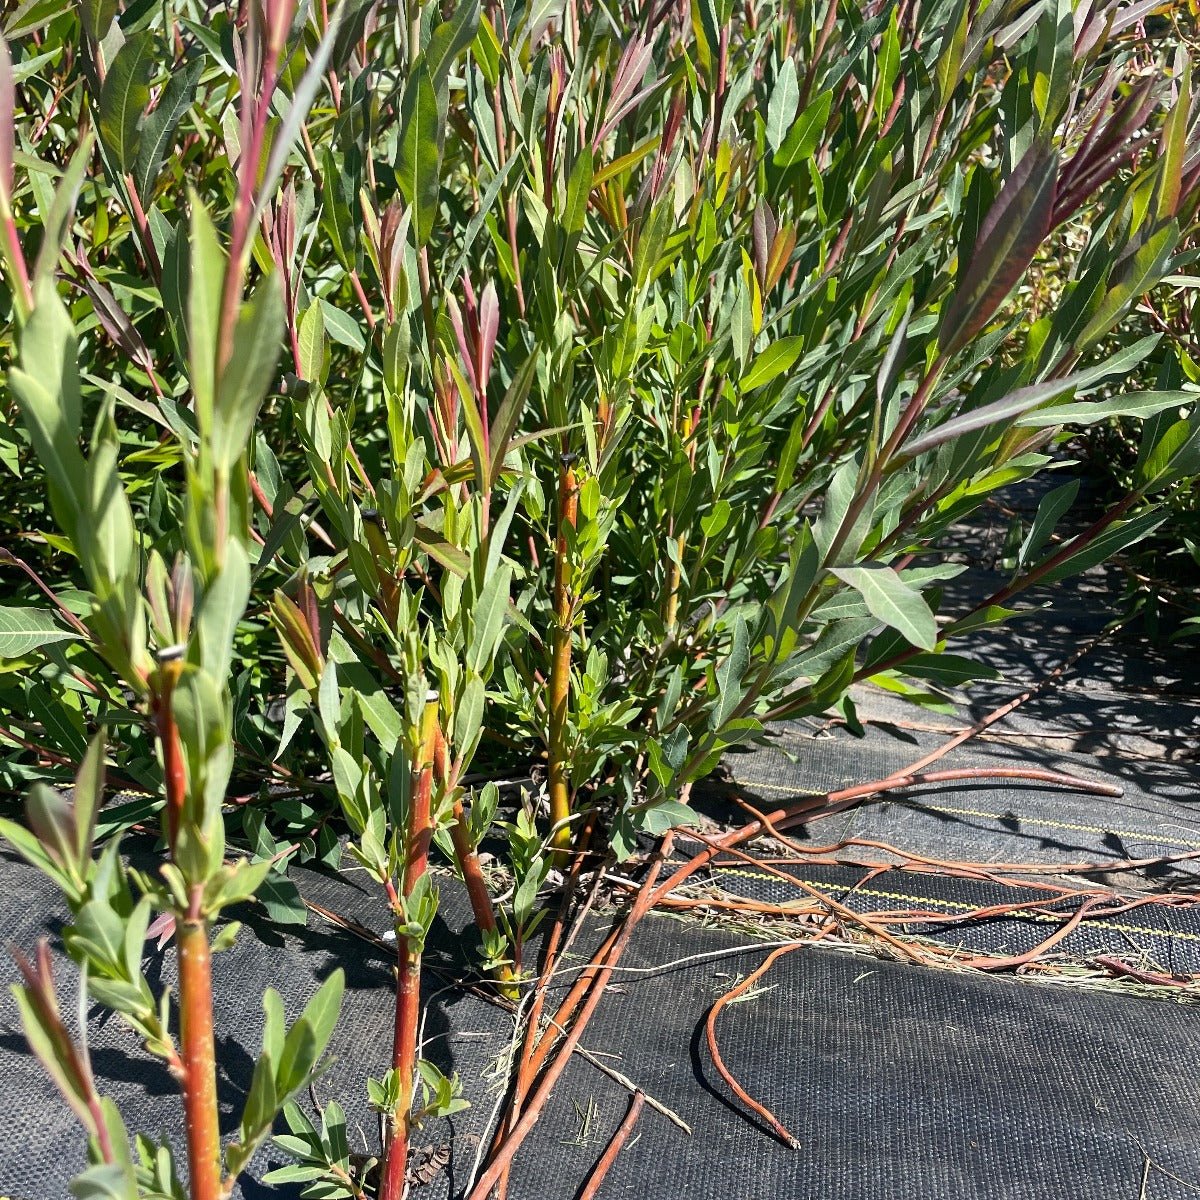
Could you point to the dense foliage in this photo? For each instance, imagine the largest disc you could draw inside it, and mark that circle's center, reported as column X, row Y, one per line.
column 399, row 394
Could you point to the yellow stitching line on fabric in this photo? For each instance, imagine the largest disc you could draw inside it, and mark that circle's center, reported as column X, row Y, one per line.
column 974, row 812
column 1120, row 926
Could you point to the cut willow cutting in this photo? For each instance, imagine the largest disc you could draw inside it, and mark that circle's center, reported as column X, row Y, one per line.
column 419, row 398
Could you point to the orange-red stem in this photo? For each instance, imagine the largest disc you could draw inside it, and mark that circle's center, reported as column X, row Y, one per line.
column 467, row 856
column 197, row 1052
column 560, row 669
column 199, row 1060
column 408, row 961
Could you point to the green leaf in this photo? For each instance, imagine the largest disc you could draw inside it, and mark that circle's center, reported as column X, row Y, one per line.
column 1139, row 273
column 1004, row 409
column 108, row 551
column 160, row 125
column 52, row 819
column 772, row 362
column 729, row 676
column 314, row 346
column 418, row 166
column 251, row 368
column 29, row 848
column 1049, row 512
column 785, row 99
column 1174, row 147
column 1130, row 404
column 1175, row 455
column 663, row 815
column 124, row 98
column 951, row 51
column 801, row 142
column 468, row 714
column 308, row 1037
column 220, row 610
column 890, row 600
column 282, row 900
column 206, row 275
column 1119, row 536
column 450, row 39
column 96, row 16
column 579, row 189
column 58, row 221
column 26, row 629
column 88, row 796
column 261, row 1103
column 950, row 670
column 508, row 417
column 1014, row 228
column 487, row 619
column 322, row 1010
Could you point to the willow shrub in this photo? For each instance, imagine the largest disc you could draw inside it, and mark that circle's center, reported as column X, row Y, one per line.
column 400, row 393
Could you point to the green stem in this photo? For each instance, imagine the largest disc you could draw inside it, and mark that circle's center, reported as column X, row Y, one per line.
column 560, row 669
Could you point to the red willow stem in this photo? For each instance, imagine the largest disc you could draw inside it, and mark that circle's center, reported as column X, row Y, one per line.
column 239, row 238
column 467, row 858
column 615, row 1146
column 710, row 1033
column 616, row 943
column 198, row 1055
column 24, row 289
column 408, row 959
column 560, row 668
column 171, row 747
column 142, row 224
column 812, row 808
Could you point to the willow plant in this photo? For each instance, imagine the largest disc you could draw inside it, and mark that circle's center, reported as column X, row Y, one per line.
column 167, row 634
column 609, row 383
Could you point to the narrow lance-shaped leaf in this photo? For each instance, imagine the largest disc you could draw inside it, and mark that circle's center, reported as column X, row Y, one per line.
column 37, row 1004
column 125, row 96
column 508, row 416
column 1016, row 225
column 1017, row 403
column 890, row 600
column 772, row 362
column 1049, row 511
column 1138, row 273
column 23, row 630
column 1129, row 404
column 450, row 39
column 306, row 91
column 1174, row 147
column 781, row 110
column 420, row 153
column 206, row 272
column 160, row 125
column 251, row 368
column 802, row 140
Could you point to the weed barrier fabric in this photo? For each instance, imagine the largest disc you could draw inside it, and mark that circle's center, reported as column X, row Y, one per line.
column 982, row 820
column 900, row 1081
column 44, row 1145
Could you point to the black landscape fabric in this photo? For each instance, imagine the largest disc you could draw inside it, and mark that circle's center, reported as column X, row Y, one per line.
column 899, row 1081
